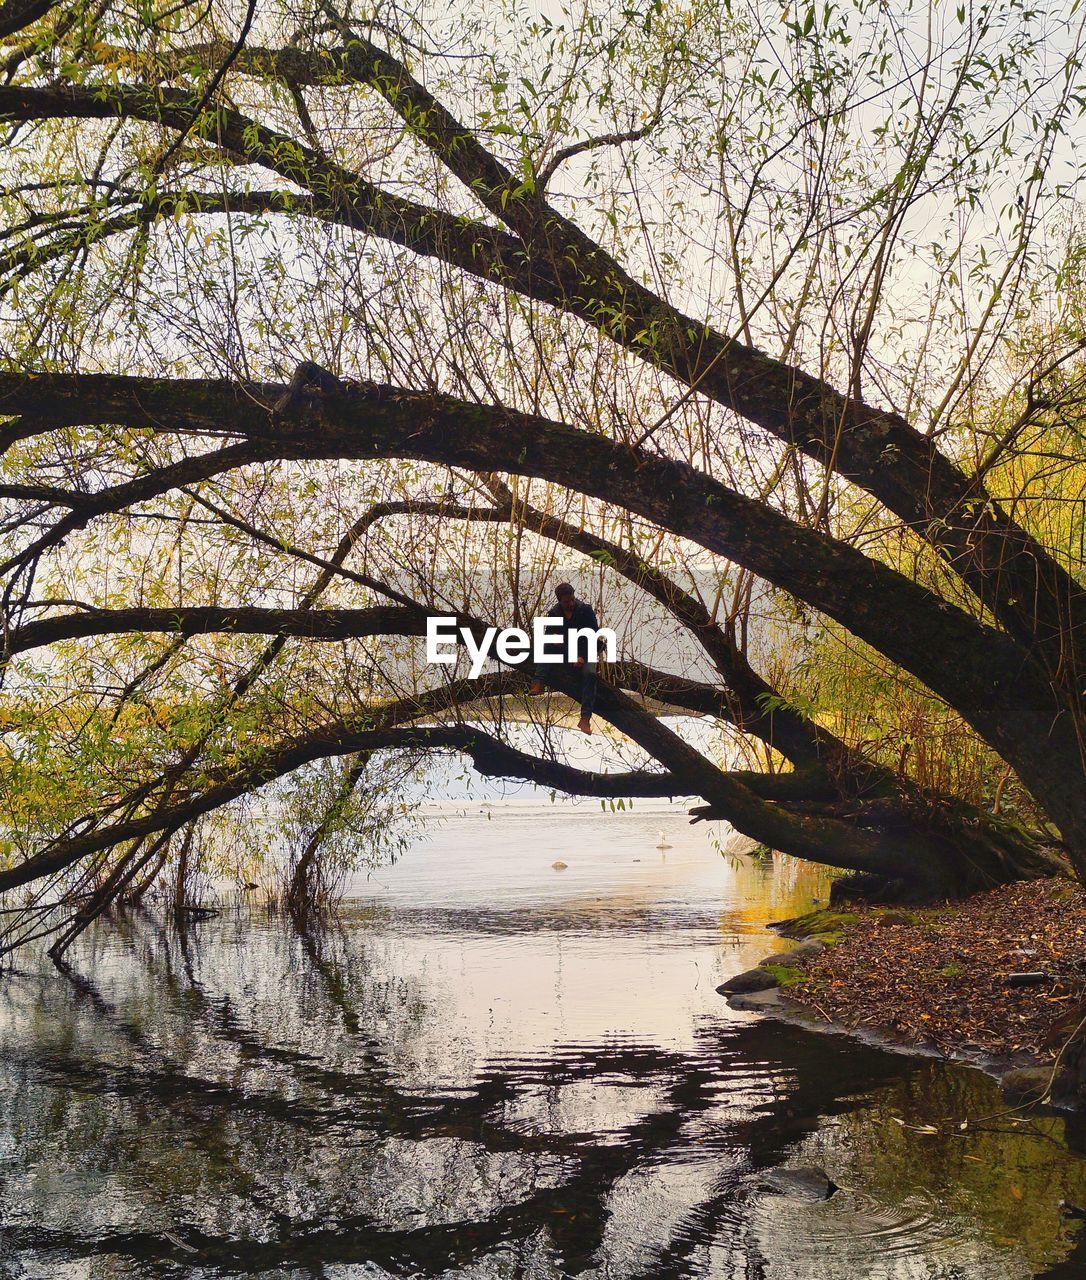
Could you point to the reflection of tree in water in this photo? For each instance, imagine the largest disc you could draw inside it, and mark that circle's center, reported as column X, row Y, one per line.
column 1006, row 1173
column 244, row 1144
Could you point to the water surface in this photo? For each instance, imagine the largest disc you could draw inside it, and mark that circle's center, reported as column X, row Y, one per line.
column 490, row 1067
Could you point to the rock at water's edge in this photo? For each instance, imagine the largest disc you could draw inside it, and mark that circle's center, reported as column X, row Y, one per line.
column 756, row 1001
column 1025, row 1084
column 805, row 951
column 809, row 1182
column 750, row 980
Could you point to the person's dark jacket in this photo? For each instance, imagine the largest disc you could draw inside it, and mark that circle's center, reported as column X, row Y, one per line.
column 584, row 616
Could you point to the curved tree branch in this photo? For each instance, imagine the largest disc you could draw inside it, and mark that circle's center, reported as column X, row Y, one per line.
column 349, row 624
column 491, row 758
column 550, row 259
column 979, row 670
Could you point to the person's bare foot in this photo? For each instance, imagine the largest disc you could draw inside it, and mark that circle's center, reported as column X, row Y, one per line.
column 536, row 686
column 584, row 724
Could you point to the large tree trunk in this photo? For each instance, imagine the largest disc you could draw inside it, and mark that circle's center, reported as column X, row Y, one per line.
column 919, row 849
column 951, row 851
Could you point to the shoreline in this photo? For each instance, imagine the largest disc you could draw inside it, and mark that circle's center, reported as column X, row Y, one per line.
column 933, row 981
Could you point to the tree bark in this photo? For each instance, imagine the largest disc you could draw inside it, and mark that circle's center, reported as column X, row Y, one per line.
column 985, row 674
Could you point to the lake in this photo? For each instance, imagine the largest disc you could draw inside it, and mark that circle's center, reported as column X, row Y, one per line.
column 488, row 1066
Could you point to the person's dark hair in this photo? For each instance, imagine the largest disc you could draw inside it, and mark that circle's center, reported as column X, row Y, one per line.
column 563, row 589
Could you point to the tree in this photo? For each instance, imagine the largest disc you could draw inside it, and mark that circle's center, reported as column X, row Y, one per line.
column 304, row 290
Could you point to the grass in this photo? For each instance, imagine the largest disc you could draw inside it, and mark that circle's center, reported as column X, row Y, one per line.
column 825, row 924
column 786, row 975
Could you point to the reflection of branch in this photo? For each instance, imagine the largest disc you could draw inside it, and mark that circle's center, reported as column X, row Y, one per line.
column 316, row 1096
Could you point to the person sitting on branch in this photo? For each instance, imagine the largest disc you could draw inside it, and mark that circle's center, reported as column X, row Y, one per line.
column 576, row 615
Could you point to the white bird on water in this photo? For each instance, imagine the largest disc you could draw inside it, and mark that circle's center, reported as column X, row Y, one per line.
column 663, row 840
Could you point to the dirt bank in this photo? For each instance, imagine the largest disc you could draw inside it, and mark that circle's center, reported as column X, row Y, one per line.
column 943, row 978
